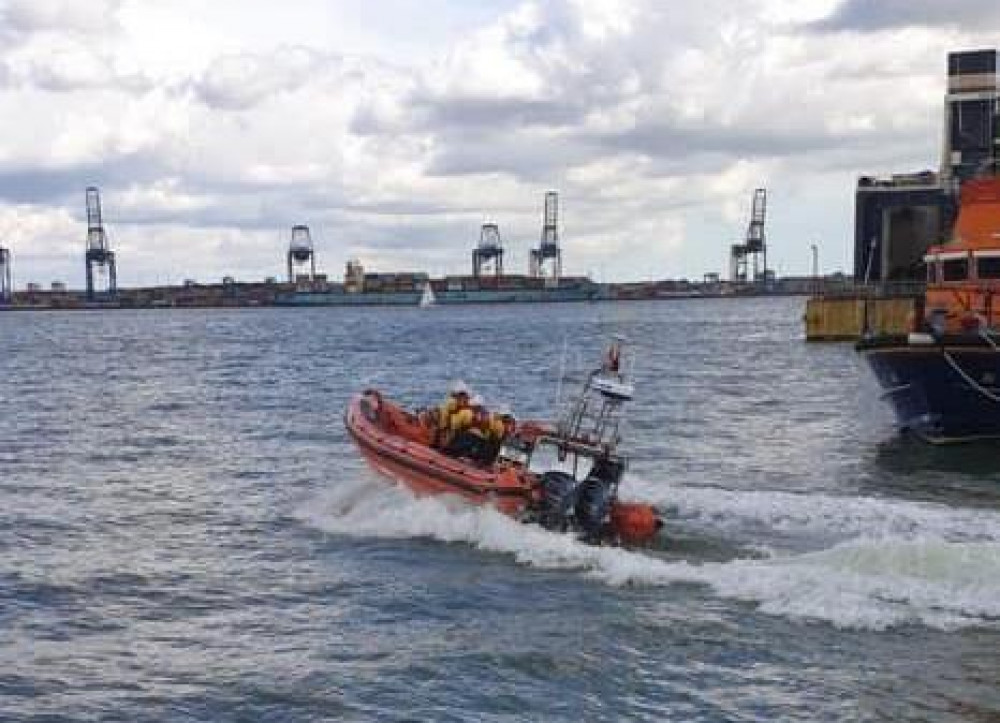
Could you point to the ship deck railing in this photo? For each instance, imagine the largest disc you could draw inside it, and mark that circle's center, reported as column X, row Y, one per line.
column 883, row 290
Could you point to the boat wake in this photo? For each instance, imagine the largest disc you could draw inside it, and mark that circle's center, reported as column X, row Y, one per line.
column 888, row 564
column 817, row 518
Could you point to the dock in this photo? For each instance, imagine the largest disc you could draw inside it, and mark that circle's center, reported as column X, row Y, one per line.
column 844, row 317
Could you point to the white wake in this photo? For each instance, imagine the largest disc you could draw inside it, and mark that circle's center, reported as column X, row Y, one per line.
column 892, row 562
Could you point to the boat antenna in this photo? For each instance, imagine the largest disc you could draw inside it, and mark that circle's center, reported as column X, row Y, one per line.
column 630, row 358
column 562, row 374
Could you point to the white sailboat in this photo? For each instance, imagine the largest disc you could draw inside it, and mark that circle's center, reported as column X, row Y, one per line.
column 427, row 299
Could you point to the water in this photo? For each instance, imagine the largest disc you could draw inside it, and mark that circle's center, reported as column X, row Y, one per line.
column 186, row 532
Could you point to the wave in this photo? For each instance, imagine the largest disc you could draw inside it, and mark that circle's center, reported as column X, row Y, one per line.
column 914, row 564
column 818, row 515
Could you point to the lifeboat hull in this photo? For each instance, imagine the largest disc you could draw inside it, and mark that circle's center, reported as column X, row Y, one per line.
column 396, row 444
column 947, row 392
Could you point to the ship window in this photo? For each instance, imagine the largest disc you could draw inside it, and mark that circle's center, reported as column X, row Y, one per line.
column 988, row 267
column 932, row 273
column 955, row 270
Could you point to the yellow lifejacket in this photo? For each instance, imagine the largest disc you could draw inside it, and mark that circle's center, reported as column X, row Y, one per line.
column 461, row 420
column 495, row 429
column 445, row 412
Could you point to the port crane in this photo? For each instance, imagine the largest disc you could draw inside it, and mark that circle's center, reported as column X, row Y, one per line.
column 548, row 254
column 301, row 252
column 99, row 255
column 748, row 260
column 489, row 252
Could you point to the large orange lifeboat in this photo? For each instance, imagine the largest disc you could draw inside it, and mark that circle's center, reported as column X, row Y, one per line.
column 963, row 275
column 943, row 378
column 564, row 477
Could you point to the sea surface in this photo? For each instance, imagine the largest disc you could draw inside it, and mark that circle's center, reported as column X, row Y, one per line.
column 187, row 533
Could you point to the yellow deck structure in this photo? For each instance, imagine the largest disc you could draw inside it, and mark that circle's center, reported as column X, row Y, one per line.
column 842, row 318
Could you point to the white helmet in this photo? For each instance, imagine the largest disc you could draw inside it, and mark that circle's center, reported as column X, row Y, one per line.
column 458, row 387
column 503, row 410
column 477, row 401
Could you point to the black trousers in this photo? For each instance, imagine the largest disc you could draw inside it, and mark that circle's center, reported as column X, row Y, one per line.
column 468, row 444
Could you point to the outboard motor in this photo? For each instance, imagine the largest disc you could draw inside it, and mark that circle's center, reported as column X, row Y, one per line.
column 595, row 498
column 559, row 500
column 589, row 431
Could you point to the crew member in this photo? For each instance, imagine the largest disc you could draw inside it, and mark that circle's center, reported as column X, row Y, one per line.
column 501, row 426
column 508, row 421
column 613, row 357
column 458, row 399
column 466, row 438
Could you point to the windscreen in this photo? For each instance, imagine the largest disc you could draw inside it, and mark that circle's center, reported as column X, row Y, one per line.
column 545, row 458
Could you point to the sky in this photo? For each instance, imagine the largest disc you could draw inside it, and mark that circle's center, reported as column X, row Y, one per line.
column 395, row 128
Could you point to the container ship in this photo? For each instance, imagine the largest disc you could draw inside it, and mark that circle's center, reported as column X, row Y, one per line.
column 416, row 288
column 487, row 284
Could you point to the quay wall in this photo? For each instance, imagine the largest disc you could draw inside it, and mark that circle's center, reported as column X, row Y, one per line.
column 843, row 318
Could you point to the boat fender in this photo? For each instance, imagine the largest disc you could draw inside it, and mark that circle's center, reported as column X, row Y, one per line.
column 635, row 523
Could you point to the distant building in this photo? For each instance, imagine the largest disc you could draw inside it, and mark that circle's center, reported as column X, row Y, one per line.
column 898, row 217
column 972, row 115
column 895, row 220
column 354, row 277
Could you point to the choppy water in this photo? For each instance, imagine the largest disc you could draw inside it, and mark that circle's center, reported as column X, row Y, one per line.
column 187, row 534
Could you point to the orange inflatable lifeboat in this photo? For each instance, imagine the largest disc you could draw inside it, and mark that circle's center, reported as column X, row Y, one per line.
column 564, row 478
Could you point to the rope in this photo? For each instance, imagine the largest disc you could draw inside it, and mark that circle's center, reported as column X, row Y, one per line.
column 985, row 333
column 969, row 380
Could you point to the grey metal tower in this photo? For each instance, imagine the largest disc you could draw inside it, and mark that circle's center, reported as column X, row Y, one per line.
column 99, row 253
column 548, row 248
column 300, row 252
column 489, row 251
column 6, row 277
column 748, row 260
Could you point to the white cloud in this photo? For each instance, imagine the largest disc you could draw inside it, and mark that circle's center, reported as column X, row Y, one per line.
column 25, row 18
column 58, row 63
column 213, row 128
column 239, row 82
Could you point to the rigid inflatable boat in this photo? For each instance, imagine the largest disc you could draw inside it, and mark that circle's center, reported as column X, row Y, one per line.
column 564, row 477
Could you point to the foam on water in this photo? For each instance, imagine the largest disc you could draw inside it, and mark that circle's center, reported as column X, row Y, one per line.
column 930, row 570
column 818, row 514
column 875, row 584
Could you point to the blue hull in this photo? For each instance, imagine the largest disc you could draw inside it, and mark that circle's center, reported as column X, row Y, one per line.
column 443, row 298
column 317, row 298
column 943, row 392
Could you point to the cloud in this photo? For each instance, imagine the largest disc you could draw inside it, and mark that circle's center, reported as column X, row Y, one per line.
column 725, row 87
column 866, row 16
column 57, row 63
column 25, row 18
column 653, row 120
column 240, row 82
column 62, row 46
column 64, row 186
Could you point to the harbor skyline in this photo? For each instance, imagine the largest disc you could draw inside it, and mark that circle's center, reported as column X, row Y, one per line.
column 395, row 132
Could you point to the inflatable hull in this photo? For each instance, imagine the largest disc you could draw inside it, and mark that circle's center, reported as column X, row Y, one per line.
column 397, row 444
